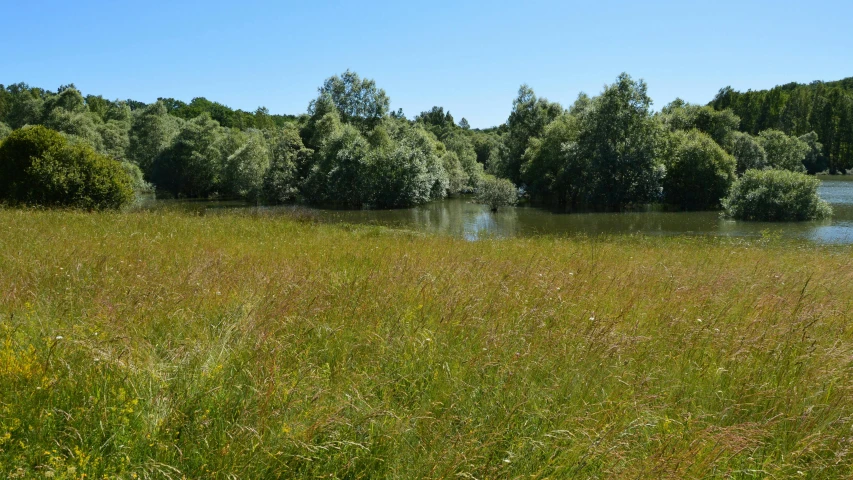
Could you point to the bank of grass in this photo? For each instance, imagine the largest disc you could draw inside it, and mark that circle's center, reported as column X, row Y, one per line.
column 167, row 345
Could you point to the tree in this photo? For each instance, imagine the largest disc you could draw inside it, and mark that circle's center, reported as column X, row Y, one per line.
column 408, row 174
column 776, row 195
column 699, row 172
column 815, row 161
column 527, row 120
column 118, row 111
column 340, row 174
column 796, row 109
column 620, row 139
column 4, row 131
column 456, row 177
column 98, row 105
column 137, row 178
column 79, row 123
column 783, row 152
column 115, row 139
column 246, row 168
column 553, row 169
column 437, row 121
column 463, row 124
column 24, row 105
column 191, row 166
column 463, row 149
column 497, row 192
column 357, row 100
column 747, row 151
column 403, row 171
column 263, row 120
column 38, row 166
column 67, row 98
column 325, row 120
column 152, row 131
column 682, row 116
column 288, row 164
column 490, row 149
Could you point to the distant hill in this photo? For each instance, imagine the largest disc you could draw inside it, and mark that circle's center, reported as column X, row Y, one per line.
column 823, row 107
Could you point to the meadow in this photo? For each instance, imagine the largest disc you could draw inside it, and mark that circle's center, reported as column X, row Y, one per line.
column 166, row 344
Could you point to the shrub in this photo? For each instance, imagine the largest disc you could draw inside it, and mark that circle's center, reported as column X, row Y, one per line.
column 776, row 195
column 39, row 167
column 698, row 173
column 497, row 192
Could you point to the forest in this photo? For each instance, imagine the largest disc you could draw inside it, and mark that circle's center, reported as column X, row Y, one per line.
column 825, row 108
column 351, row 150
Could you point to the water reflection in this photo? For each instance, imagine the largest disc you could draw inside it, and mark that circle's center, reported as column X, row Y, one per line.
column 463, row 218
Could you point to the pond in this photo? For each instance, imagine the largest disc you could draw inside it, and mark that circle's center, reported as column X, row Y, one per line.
column 463, row 218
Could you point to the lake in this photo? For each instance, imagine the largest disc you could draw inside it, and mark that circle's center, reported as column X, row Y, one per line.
column 463, row 218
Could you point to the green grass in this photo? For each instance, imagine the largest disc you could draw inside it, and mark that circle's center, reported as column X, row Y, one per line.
column 171, row 345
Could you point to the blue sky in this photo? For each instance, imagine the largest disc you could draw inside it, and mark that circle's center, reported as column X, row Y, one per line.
column 469, row 57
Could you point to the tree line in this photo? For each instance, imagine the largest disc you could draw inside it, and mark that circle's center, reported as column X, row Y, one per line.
column 350, row 150
column 825, row 108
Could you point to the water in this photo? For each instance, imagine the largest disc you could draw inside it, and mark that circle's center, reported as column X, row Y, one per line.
column 462, row 218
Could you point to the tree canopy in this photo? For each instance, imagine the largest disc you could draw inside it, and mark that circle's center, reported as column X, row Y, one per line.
column 825, row 108
column 350, row 150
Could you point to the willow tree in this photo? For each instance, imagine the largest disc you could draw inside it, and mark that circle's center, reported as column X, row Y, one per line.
column 620, row 140
column 357, row 100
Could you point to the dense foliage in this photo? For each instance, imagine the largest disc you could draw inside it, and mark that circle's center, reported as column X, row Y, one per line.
column 552, row 169
column 747, row 151
column 698, row 172
column 350, row 150
column 776, row 195
column 825, row 108
column 783, row 152
column 606, row 152
column 38, row 166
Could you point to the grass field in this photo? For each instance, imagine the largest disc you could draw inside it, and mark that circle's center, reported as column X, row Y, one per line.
column 168, row 345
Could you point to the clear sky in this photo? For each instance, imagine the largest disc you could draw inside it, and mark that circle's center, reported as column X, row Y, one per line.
column 469, row 57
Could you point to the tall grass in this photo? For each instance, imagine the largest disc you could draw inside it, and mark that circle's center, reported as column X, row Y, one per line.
column 168, row 345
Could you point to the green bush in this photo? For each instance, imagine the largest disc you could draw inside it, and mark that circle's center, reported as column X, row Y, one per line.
column 497, row 192
column 775, row 195
column 39, row 167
